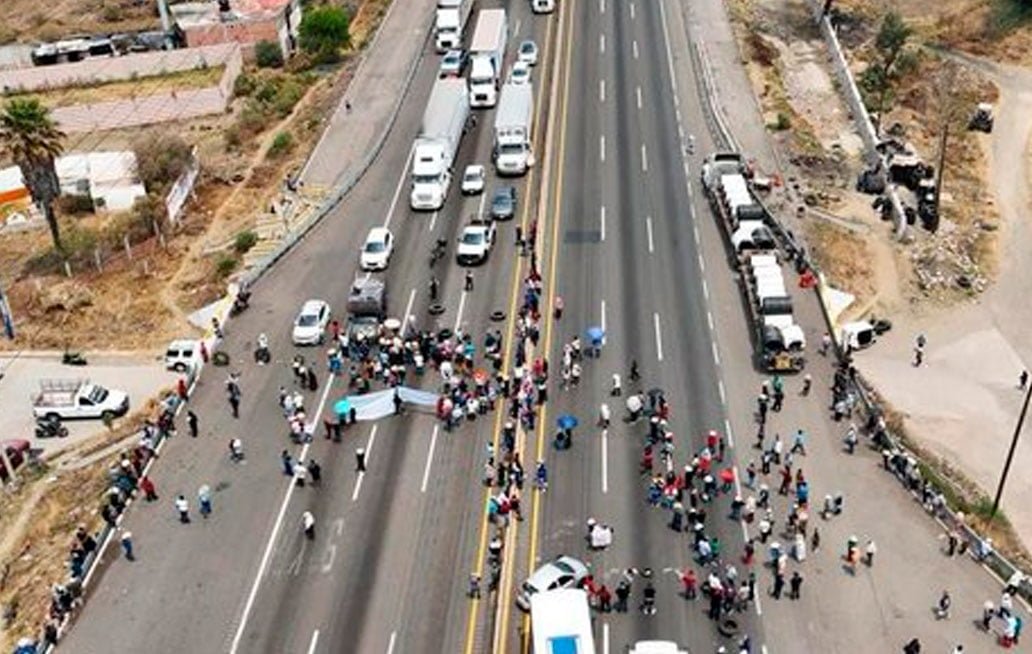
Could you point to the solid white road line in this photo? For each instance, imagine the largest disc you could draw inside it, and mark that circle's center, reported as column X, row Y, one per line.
column 602, row 43
column 605, row 638
column 408, row 309
column 669, row 55
column 602, row 221
column 605, row 460
column 634, row 48
column 315, row 641
column 644, row 159
column 648, row 229
column 462, row 306
column 390, row 645
column 368, row 452
column 429, row 460
column 602, row 147
column 397, row 189
column 659, row 337
column 637, row 92
column 603, row 323
column 601, row 90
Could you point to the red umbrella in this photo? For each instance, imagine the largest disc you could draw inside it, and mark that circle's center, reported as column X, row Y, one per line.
column 727, row 475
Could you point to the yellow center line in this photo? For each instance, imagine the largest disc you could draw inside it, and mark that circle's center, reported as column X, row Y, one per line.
column 471, row 623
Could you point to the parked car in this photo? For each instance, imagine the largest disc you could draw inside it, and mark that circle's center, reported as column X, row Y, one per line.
column 376, row 253
column 503, row 204
column 310, row 324
column 453, row 63
column 563, row 572
column 17, row 450
column 473, row 179
column 528, row 53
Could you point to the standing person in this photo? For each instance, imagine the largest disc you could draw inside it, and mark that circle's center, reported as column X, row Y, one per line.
column 147, row 486
column 795, row 583
column 288, row 464
column 635, row 375
column 779, row 585
column 434, row 288
column 617, row 388
column 234, row 404
column 204, row 499
column 825, row 344
column 603, row 416
column 183, row 508
column 689, row 583
column 300, row 473
column 807, row 383
column 469, row 281
column 1023, row 380
column 191, row 423
column 360, row 460
column 127, row 545
column 799, row 443
column 541, row 476
column 869, row 553
column 557, row 312
column 315, row 470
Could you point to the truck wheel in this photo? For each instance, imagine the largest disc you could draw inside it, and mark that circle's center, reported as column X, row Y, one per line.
column 52, row 417
column 107, row 416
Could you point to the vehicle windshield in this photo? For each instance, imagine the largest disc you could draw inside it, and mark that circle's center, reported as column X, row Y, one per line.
column 502, row 202
column 527, row 48
column 98, row 394
column 510, row 148
column 474, row 176
column 450, row 60
column 424, row 179
column 307, row 320
column 472, row 238
column 375, row 247
column 564, row 566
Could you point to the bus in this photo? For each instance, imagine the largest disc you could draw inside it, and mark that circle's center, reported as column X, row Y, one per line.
column 560, row 622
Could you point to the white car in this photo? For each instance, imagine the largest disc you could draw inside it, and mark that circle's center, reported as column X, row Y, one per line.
column 475, row 243
column 310, row 324
column 520, row 73
column 563, row 572
column 528, row 52
column 473, row 179
column 376, row 253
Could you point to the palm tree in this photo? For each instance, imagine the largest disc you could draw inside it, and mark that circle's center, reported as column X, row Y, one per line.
column 31, row 138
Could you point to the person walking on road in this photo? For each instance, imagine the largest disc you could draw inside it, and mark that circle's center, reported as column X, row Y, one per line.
column 1023, row 380
column 147, row 486
column 468, row 287
column 434, row 288
column 183, row 507
column 315, row 471
column 541, row 476
column 942, row 609
column 795, row 583
column 869, row 553
column 127, row 545
column 360, row 460
column 191, row 423
column 300, row 473
column 779, row 585
column 234, row 404
column 308, row 525
column 204, row 499
column 288, row 464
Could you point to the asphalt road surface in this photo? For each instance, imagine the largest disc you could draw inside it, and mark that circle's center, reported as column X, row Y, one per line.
column 630, row 245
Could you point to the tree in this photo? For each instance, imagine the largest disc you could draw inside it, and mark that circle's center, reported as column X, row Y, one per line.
column 31, row 138
column 892, row 38
column 324, row 31
column 267, row 54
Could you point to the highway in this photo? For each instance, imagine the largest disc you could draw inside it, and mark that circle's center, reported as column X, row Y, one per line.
column 629, row 243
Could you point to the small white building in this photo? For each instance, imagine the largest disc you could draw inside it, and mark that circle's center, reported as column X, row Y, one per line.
column 109, row 178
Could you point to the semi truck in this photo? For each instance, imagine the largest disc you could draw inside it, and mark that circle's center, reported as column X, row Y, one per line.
column 749, row 230
column 444, row 122
column 450, row 22
column 512, row 129
column 560, row 621
column 487, row 56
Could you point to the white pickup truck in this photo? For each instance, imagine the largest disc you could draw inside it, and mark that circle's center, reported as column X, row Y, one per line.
column 69, row 399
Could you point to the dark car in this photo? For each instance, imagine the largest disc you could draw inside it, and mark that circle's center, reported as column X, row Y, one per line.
column 17, row 451
column 503, row 203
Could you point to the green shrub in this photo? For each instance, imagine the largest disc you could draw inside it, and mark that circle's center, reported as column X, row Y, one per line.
column 74, row 204
column 244, row 241
column 281, row 145
column 225, row 265
column 324, row 31
column 111, row 13
column 244, row 85
column 268, row 54
column 783, row 122
column 161, row 157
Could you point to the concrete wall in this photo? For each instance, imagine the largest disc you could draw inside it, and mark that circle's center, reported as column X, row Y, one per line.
column 96, row 70
column 864, row 125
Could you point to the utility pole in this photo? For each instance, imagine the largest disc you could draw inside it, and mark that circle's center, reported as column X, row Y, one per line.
column 1010, row 452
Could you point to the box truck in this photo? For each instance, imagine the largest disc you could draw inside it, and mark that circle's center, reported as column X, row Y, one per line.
column 449, row 23
column 487, row 56
column 444, row 122
column 513, row 122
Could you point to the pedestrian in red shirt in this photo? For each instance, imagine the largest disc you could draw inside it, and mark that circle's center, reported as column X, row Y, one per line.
column 605, row 599
column 689, row 582
column 149, row 492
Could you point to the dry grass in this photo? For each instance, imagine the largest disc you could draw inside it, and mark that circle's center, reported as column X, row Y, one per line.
column 197, row 78
column 30, row 20
column 843, row 256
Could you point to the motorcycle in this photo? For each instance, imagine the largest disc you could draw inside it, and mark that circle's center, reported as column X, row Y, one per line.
column 240, row 302
column 49, row 428
column 70, row 358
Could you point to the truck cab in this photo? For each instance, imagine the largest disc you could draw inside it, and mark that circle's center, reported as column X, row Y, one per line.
column 78, row 399
column 483, row 81
column 430, row 178
column 542, row 6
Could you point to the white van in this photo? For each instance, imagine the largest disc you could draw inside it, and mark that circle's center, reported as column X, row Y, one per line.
column 542, row 6
column 181, row 355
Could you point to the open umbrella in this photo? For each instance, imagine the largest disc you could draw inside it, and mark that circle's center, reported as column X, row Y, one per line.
column 595, row 334
column 566, row 421
column 480, row 376
column 342, row 407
